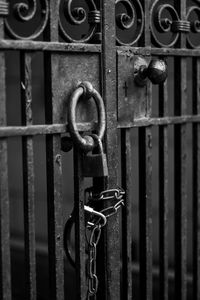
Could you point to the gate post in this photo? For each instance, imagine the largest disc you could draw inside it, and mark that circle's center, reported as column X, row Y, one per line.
column 112, row 239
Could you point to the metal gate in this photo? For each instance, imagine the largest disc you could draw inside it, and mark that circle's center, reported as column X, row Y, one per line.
column 151, row 249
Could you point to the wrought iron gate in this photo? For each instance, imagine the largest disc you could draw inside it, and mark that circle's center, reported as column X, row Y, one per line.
column 152, row 141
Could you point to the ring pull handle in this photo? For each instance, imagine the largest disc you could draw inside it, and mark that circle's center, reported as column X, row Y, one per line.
column 156, row 72
column 86, row 143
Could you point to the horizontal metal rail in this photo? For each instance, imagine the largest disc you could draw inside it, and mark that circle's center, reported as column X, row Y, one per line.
column 8, row 131
column 48, row 46
column 41, row 129
column 159, row 51
column 145, row 122
column 92, row 48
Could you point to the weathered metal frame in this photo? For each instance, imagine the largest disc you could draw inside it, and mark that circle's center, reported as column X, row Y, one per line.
column 110, row 266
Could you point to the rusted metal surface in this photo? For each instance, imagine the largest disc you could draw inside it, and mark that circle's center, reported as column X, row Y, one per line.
column 180, row 168
column 51, row 46
column 28, row 177
column 80, row 259
column 196, row 181
column 145, row 211
column 54, row 168
column 73, row 47
column 156, row 71
column 152, row 121
column 145, row 183
column 133, row 72
column 83, row 68
column 127, row 229
column 163, row 192
column 32, row 130
column 86, row 91
column 136, row 31
column 112, row 246
column 5, row 268
column 131, row 98
column 8, row 131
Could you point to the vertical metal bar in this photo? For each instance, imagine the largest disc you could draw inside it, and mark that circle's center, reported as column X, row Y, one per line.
column 5, row 270
column 112, row 242
column 180, row 192
column 180, row 174
column 5, row 276
column 79, row 228
column 145, row 185
column 196, row 180
column 28, row 177
column 54, row 165
column 127, row 214
column 163, row 192
column 145, row 211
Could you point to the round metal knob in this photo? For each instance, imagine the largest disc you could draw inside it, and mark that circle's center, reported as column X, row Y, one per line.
column 156, row 71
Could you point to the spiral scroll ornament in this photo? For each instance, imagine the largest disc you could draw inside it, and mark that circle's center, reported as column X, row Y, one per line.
column 129, row 21
column 79, row 21
column 163, row 18
column 34, row 13
column 166, row 25
column 193, row 16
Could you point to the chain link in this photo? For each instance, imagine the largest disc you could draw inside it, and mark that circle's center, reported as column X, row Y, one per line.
column 94, row 226
column 110, row 194
column 92, row 277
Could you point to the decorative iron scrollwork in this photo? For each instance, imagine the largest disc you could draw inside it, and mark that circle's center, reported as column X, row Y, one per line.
column 22, row 12
column 193, row 16
column 166, row 25
column 129, row 21
column 79, row 23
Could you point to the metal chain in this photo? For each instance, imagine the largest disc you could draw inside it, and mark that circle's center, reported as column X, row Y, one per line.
column 94, row 226
column 110, row 194
column 91, row 265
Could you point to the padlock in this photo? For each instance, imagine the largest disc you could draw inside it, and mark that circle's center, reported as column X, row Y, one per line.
column 95, row 164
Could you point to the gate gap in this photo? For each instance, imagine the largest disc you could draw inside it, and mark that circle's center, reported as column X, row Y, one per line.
column 38, row 86
column 15, row 183
column 41, row 230
column 155, row 209
column 135, row 212
column 171, row 210
column 13, row 101
column 190, row 181
column 171, row 75
column 68, row 204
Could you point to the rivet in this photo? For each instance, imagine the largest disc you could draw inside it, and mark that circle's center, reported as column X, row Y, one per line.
column 58, row 159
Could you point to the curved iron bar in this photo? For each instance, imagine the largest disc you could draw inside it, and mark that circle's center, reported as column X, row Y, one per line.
column 133, row 16
column 24, row 13
column 78, row 16
column 75, row 16
column 173, row 24
column 126, row 20
column 195, row 24
column 163, row 24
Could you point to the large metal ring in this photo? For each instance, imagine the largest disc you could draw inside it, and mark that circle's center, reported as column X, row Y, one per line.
column 86, row 89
